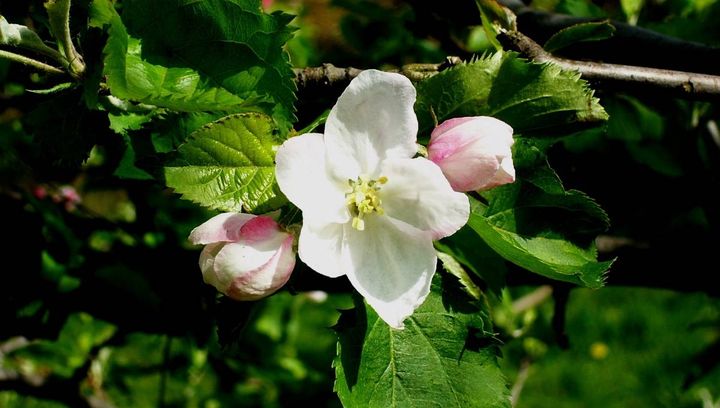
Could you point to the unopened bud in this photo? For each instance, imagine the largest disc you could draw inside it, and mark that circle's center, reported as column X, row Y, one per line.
column 246, row 257
column 473, row 152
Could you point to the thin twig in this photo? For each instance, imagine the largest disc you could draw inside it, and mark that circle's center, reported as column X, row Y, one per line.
column 532, row 299
column 517, row 387
column 675, row 83
column 30, row 62
column 329, row 75
column 59, row 14
column 629, row 44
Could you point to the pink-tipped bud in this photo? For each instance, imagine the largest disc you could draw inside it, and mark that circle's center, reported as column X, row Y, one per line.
column 246, row 257
column 473, row 152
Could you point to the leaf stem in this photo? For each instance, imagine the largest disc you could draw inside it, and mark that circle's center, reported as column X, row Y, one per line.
column 30, row 62
column 59, row 13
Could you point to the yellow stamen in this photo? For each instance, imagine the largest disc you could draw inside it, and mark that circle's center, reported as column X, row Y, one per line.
column 363, row 199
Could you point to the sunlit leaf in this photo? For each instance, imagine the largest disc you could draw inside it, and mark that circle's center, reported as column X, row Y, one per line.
column 530, row 97
column 443, row 357
column 583, row 32
column 229, row 165
column 214, row 55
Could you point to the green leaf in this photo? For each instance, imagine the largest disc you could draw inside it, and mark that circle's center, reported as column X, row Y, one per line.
column 229, row 165
column 452, row 266
column 632, row 9
column 495, row 17
column 17, row 35
column 583, row 32
column 72, row 348
column 537, row 224
column 444, row 357
column 55, row 89
column 212, row 55
column 530, row 97
column 497, row 14
column 473, row 253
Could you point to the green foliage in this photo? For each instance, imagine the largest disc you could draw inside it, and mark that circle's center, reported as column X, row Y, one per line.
column 639, row 346
column 443, row 357
column 228, row 165
column 583, row 32
column 80, row 334
column 530, row 97
column 174, row 62
column 475, row 255
column 537, row 224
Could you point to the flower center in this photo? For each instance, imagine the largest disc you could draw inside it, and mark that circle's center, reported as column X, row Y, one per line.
column 362, row 199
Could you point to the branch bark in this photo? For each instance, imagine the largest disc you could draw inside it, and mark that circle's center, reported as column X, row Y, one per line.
column 329, row 75
column 629, row 45
column 672, row 83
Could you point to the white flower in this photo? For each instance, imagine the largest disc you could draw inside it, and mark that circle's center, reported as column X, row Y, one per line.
column 246, row 257
column 473, row 152
column 371, row 210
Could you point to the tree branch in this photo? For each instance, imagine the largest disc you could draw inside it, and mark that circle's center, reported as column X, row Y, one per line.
column 629, row 45
column 329, row 75
column 673, row 83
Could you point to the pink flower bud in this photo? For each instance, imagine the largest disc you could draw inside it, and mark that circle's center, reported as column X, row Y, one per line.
column 70, row 194
column 246, row 257
column 473, row 152
column 40, row 191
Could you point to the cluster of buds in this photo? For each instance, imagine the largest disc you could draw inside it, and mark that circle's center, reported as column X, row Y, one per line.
column 66, row 195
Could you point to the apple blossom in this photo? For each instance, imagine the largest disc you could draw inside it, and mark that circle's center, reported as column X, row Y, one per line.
column 246, row 257
column 473, row 152
column 370, row 210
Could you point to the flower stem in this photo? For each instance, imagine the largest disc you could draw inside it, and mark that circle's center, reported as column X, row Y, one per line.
column 30, row 62
column 59, row 13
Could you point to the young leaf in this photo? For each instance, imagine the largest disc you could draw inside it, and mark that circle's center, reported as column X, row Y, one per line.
column 17, row 35
column 59, row 18
column 229, row 165
column 442, row 357
column 474, row 254
column 528, row 96
column 538, row 225
column 214, row 55
column 583, row 32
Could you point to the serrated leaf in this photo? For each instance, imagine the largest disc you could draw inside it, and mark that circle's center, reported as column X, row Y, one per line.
column 212, row 55
column 583, row 32
column 537, row 224
column 229, row 165
column 473, row 253
column 453, row 267
column 530, row 97
column 444, row 357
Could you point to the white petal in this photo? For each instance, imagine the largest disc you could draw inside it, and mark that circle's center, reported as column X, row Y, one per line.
column 303, row 177
column 418, row 193
column 320, row 247
column 268, row 278
column 504, row 175
column 372, row 120
column 392, row 266
column 236, row 259
column 207, row 266
column 223, row 227
column 490, row 135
